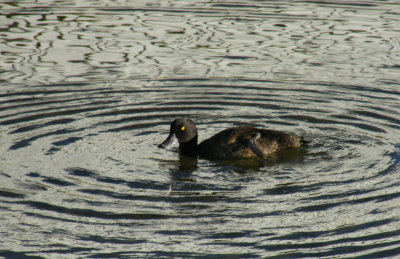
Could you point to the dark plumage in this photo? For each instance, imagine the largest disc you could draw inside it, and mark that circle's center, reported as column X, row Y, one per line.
column 233, row 143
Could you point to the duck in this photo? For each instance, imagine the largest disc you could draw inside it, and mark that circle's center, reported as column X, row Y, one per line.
column 243, row 142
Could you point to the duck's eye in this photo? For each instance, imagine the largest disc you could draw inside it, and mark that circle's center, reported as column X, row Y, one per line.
column 183, row 128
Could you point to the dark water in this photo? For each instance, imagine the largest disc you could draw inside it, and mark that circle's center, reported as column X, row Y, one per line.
column 88, row 88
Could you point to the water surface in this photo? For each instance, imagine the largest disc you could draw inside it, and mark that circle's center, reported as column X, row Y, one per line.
column 88, row 90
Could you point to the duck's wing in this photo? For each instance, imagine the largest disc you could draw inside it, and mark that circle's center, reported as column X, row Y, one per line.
column 272, row 141
column 254, row 146
column 247, row 142
column 229, row 144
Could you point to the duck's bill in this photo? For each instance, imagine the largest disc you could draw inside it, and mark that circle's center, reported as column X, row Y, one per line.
column 169, row 142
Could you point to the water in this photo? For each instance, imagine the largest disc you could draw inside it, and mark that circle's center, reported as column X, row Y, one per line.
column 88, row 90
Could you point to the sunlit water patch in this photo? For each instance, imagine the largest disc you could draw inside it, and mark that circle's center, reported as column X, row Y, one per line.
column 89, row 92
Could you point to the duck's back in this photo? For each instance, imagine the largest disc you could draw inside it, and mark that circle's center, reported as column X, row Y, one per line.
column 233, row 143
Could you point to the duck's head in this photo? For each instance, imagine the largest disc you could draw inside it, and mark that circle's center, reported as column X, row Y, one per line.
column 183, row 130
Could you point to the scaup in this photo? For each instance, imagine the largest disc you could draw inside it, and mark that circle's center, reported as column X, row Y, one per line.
column 233, row 143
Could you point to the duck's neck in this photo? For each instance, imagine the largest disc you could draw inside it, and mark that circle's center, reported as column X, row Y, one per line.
column 189, row 148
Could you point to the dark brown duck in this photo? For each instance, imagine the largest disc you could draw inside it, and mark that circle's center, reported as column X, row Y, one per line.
column 233, row 143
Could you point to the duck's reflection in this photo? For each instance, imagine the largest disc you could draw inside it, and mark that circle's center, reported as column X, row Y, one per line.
column 183, row 168
column 187, row 164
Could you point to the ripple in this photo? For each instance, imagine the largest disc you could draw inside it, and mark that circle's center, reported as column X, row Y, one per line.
column 89, row 92
column 76, row 212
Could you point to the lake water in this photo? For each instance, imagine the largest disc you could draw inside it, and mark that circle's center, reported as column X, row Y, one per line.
column 89, row 88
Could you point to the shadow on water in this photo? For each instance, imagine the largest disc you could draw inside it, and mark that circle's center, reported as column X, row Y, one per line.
column 186, row 164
